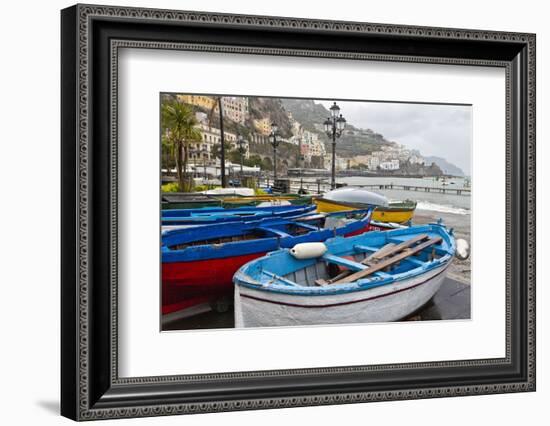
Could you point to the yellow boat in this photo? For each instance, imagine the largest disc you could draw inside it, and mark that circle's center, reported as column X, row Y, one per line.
column 396, row 212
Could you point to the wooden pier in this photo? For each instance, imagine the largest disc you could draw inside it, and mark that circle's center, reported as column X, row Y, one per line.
column 319, row 186
column 441, row 190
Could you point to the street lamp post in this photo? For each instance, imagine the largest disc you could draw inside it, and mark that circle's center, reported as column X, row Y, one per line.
column 300, row 164
column 275, row 144
column 334, row 126
column 222, row 145
column 240, row 142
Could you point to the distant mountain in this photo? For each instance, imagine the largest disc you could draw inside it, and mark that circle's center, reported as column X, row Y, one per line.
column 448, row 168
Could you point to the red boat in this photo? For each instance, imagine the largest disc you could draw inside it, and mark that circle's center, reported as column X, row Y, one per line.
column 198, row 264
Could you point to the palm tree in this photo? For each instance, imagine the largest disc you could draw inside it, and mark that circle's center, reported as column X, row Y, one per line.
column 178, row 127
column 167, row 159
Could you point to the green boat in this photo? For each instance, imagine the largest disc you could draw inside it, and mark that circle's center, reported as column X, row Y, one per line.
column 188, row 200
column 194, row 200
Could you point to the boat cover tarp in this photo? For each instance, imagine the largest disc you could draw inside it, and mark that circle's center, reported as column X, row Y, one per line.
column 356, row 195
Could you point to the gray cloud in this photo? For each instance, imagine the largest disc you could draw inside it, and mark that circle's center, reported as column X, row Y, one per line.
column 440, row 130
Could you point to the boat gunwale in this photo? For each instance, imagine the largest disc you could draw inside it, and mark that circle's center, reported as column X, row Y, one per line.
column 234, row 218
column 347, row 302
column 187, row 213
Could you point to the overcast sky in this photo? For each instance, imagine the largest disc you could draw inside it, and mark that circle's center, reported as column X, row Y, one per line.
column 440, row 130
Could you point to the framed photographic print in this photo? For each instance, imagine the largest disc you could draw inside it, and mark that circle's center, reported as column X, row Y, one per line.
column 263, row 212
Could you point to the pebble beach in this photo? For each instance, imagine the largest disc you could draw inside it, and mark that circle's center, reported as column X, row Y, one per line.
column 459, row 270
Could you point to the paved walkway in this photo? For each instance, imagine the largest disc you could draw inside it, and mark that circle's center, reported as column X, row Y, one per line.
column 452, row 301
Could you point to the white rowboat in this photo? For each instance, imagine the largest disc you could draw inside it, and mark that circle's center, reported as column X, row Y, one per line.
column 378, row 276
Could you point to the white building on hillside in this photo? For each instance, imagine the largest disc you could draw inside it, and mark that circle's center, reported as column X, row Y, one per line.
column 390, row 165
column 211, row 136
column 373, row 163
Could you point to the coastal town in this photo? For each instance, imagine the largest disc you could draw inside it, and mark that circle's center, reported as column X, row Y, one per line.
column 298, row 144
column 267, row 202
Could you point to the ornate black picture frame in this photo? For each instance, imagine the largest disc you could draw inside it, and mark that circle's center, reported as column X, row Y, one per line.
column 91, row 36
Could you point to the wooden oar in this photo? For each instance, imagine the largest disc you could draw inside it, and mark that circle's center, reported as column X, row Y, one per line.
column 388, row 262
column 380, row 253
column 387, row 250
column 405, row 244
column 366, row 261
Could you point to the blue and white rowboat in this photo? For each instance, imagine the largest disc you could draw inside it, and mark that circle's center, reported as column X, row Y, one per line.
column 373, row 277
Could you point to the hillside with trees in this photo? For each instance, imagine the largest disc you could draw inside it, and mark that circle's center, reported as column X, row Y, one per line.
column 354, row 141
column 447, row 167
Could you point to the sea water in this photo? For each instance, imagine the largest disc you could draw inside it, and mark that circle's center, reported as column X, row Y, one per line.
column 431, row 201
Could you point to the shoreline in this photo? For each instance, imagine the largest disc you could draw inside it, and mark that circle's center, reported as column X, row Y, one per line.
column 459, row 270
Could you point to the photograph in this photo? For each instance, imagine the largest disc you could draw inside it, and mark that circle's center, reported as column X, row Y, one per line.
column 282, row 211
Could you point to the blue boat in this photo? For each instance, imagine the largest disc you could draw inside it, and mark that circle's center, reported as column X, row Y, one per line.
column 378, row 276
column 221, row 215
column 198, row 263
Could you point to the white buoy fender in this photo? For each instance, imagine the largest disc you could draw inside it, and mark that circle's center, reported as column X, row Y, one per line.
column 462, row 249
column 308, row 250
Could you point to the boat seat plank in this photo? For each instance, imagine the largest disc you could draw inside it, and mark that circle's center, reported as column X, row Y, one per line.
column 392, row 260
column 356, row 266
